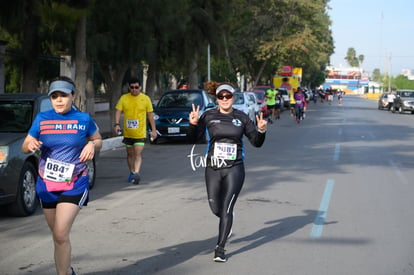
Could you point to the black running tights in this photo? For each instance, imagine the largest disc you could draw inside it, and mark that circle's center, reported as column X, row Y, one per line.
column 223, row 188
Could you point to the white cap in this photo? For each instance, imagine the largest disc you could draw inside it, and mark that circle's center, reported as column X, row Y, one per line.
column 225, row 87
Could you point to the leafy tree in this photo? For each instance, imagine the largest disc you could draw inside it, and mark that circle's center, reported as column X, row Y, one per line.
column 376, row 75
column 352, row 59
column 120, row 34
column 402, row 82
column 274, row 32
column 361, row 58
column 21, row 19
column 65, row 24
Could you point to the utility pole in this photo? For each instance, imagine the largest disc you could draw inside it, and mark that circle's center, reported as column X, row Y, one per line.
column 390, row 73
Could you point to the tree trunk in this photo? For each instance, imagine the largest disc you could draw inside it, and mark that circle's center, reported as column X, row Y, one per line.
column 2, row 66
column 81, row 66
column 30, row 47
column 113, row 80
column 259, row 74
column 151, row 80
column 193, row 73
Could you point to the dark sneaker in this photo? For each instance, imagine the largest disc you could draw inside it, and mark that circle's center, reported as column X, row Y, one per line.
column 219, row 255
column 73, row 271
column 137, row 178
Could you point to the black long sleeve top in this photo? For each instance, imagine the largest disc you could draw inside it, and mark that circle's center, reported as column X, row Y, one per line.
column 224, row 134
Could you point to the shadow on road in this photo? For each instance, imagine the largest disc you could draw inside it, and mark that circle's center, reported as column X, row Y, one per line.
column 278, row 229
column 170, row 256
column 174, row 255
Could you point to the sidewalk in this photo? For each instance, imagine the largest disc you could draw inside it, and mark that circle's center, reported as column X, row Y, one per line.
column 104, row 123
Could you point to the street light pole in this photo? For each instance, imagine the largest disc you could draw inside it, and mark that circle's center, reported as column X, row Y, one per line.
column 390, row 72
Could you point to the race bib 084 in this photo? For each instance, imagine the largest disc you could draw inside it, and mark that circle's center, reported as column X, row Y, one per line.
column 58, row 171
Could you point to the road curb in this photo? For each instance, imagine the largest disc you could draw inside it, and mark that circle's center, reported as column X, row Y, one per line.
column 111, row 143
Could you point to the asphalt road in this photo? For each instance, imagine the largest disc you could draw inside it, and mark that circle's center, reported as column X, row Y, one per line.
column 332, row 195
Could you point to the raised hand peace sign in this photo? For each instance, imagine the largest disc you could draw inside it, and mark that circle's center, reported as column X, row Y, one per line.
column 261, row 123
column 194, row 115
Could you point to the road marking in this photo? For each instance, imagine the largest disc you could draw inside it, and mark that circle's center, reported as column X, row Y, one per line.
column 398, row 171
column 337, row 151
column 319, row 221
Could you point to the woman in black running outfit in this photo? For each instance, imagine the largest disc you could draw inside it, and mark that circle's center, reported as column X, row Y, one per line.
column 224, row 173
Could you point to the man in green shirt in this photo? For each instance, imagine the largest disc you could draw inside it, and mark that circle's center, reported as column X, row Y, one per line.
column 271, row 102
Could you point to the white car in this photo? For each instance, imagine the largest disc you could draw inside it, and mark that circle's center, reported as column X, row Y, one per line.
column 285, row 97
column 246, row 103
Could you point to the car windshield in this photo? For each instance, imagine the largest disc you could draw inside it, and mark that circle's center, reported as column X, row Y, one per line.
column 15, row 116
column 180, row 100
column 238, row 99
column 260, row 96
column 407, row 94
column 262, row 88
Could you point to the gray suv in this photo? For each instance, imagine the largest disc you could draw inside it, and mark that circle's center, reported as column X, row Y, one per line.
column 404, row 101
column 18, row 171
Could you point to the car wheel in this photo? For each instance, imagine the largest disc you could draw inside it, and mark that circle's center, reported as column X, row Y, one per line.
column 153, row 141
column 393, row 109
column 26, row 198
column 91, row 173
column 400, row 110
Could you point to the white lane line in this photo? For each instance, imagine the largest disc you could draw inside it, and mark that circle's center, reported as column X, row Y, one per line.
column 336, row 152
column 320, row 218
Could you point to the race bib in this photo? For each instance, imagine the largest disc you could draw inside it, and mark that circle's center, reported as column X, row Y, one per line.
column 132, row 123
column 58, row 171
column 298, row 101
column 226, row 151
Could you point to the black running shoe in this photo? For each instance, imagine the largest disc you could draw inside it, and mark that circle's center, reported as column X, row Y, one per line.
column 137, row 178
column 219, row 255
column 73, row 271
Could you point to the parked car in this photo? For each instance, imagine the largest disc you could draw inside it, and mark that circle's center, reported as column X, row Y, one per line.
column 259, row 88
column 172, row 111
column 285, row 97
column 261, row 100
column 244, row 102
column 18, row 171
column 383, row 101
column 404, row 101
column 253, row 97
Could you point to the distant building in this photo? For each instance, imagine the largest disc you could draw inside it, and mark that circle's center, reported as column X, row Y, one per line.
column 351, row 79
column 408, row 73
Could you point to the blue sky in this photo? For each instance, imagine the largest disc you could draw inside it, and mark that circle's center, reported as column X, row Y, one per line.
column 381, row 30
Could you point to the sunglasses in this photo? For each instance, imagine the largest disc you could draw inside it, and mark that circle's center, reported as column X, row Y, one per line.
column 227, row 96
column 134, row 87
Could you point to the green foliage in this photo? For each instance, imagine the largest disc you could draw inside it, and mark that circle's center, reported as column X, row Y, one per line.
column 352, row 59
column 402, row 82
column 250, row 37
column 376, row 75
column 12, row 80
